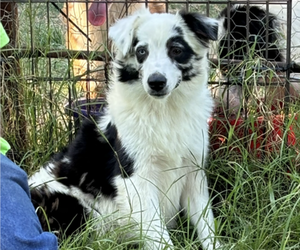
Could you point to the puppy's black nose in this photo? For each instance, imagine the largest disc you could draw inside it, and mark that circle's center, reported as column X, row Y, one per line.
column 157, row 82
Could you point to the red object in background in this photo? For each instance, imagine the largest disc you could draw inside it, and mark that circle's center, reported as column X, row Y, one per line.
column 264, row 135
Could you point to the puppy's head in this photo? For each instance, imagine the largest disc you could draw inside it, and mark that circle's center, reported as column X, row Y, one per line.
column 162, row 50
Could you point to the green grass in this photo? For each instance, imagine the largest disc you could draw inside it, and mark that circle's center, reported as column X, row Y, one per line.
column 256, row 202
column 33, row 116
column 256, row 206
column 259, row 207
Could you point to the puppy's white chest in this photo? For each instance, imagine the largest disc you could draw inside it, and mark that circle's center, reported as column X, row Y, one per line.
column 169, row 186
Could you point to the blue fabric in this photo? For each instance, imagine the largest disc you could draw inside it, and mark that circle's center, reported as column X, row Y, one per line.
column 20, row 227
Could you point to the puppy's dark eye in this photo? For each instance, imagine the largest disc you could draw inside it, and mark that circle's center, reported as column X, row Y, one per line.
column 176, row 51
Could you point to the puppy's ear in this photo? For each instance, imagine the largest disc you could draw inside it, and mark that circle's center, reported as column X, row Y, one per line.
column 122, row 32
column 205, row 28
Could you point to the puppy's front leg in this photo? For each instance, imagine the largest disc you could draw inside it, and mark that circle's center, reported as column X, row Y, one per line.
column 138, row 200
column 195, row 199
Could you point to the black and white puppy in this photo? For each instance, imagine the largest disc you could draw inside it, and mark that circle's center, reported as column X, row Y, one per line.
column 144, row 160
column 280, row 12
column 245, row 32
column 249, row 29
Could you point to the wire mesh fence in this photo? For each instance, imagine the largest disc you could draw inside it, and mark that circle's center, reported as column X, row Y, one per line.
column 59, row 53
